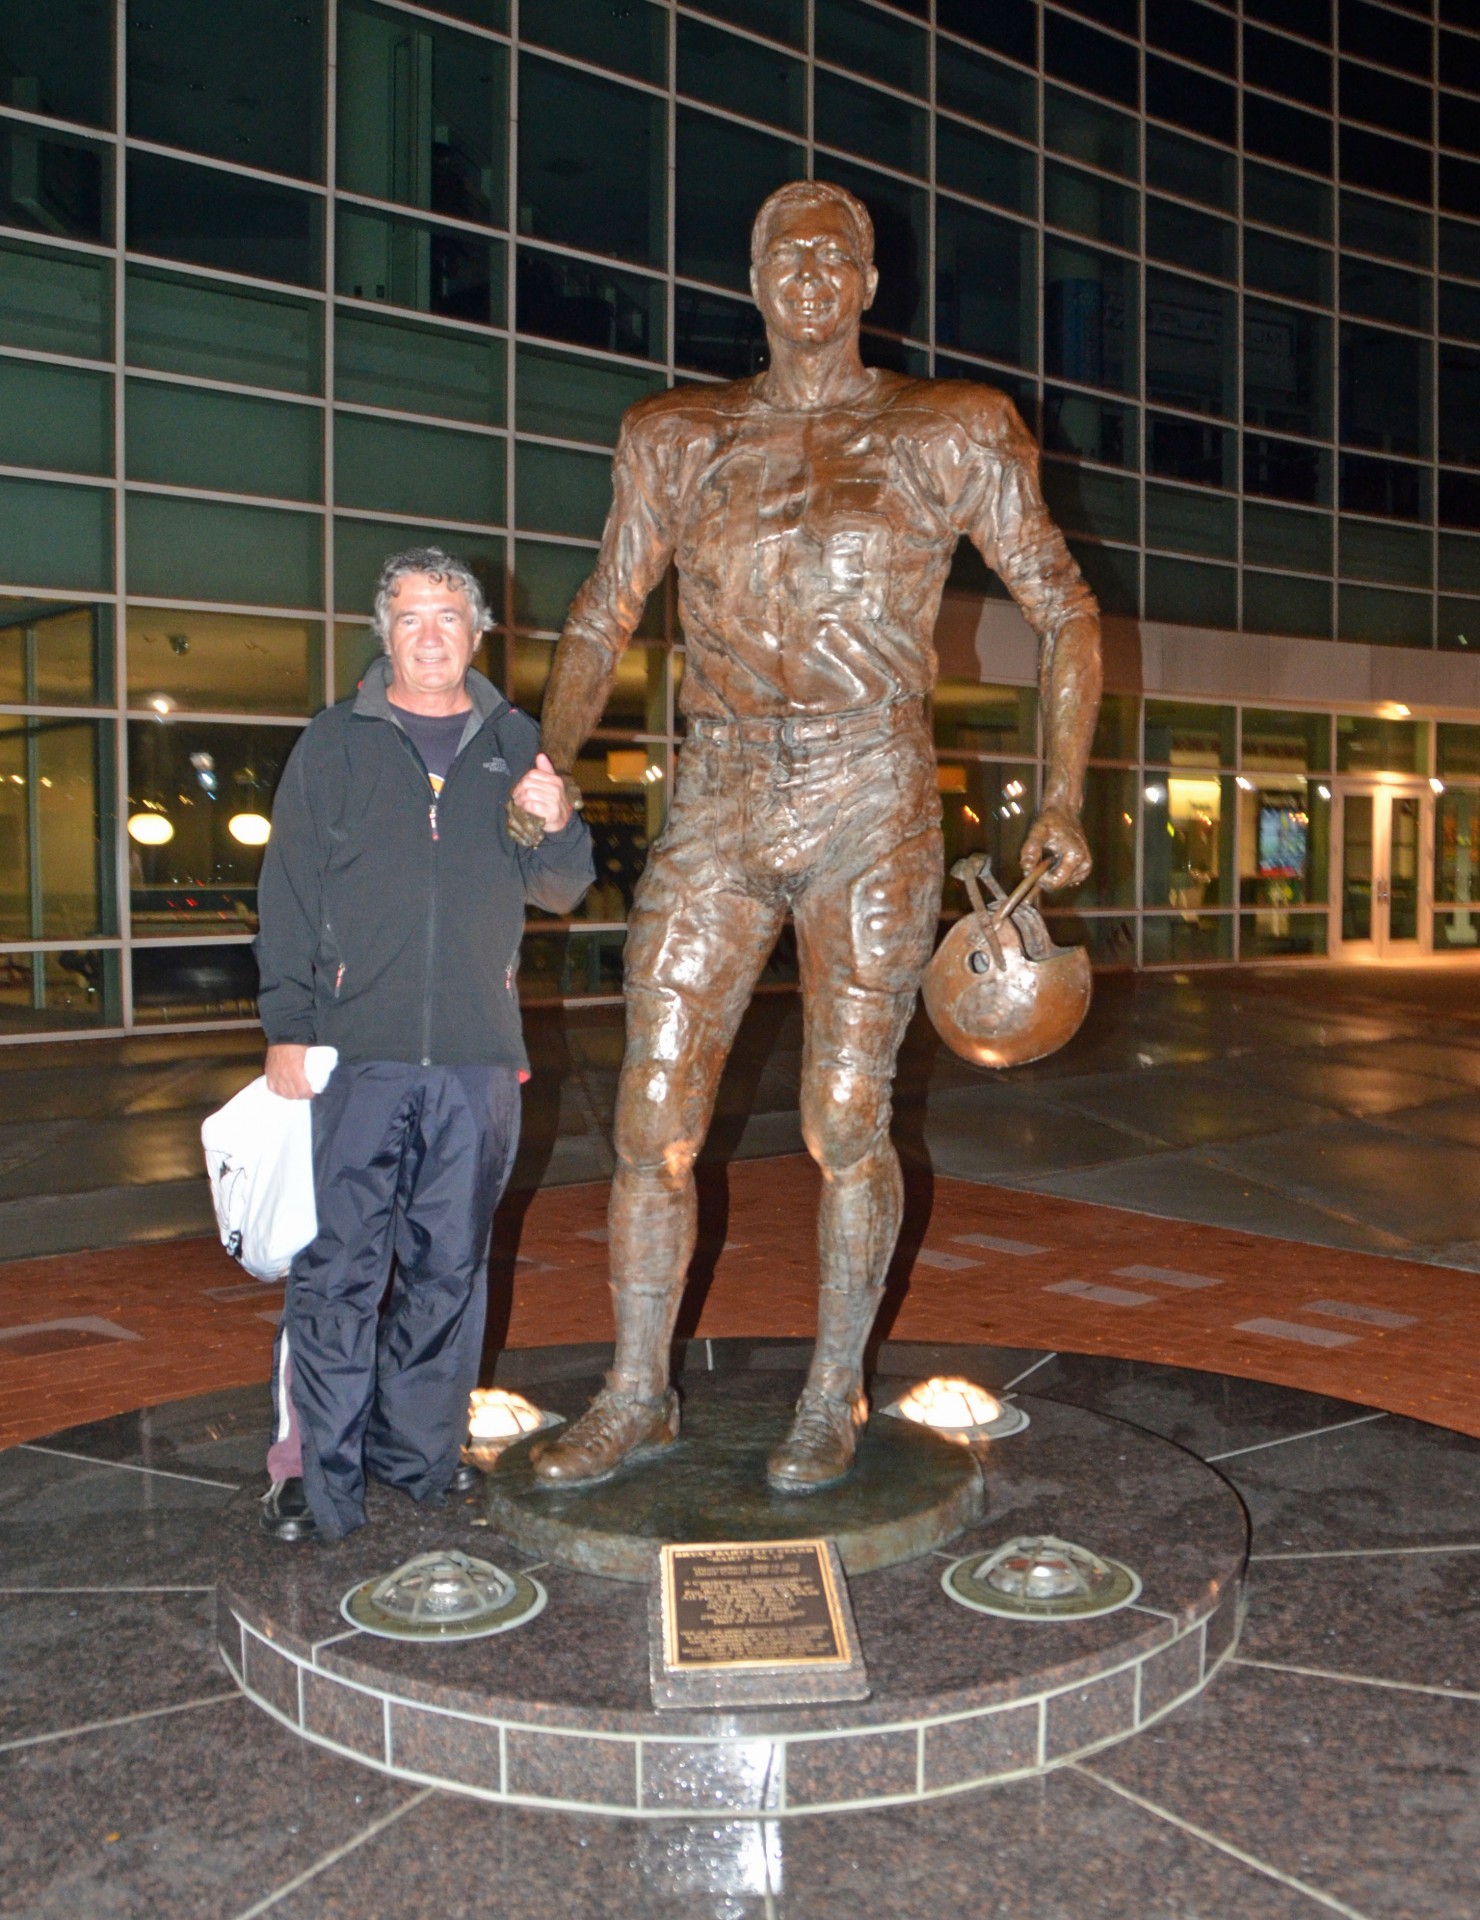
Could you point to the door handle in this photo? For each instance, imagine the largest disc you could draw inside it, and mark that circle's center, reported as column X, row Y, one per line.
column 1381, row 891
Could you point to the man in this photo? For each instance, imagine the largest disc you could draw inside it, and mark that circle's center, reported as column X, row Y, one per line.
column 392, row 906
column 812, row 512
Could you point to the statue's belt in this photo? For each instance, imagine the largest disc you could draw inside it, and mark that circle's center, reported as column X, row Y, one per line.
column 811, row 729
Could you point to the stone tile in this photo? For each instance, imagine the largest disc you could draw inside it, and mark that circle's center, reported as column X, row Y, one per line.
column 344, row 1715
column 1171, row 1672
column 218, row 1435
column 1367, row 1794
column 742, row 1776
column 272, row 1676
column 140, row 1150
column 1457, row 1120
column 1222, row 1631
column 1009, row 1136
column 1099, row 1711
column 1102, row 1296
column 982, row 1747
column 1168, row 1277
column 865, row 1767
column 1294, row 1330
column 1353, row 1086
column 555, row 1766
column 446, row 1747
column 61, row 1515
column 1189, row 1106
column 105, row 1216
column 71, row 1659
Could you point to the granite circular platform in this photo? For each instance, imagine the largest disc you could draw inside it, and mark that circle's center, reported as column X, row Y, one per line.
column 909, row 1491
column 559, row 1713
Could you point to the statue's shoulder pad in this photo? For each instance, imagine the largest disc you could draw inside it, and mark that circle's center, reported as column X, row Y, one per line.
column 985, row 414
column 653, row 417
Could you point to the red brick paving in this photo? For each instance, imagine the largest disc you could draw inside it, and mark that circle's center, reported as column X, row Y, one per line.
column 764, row 1283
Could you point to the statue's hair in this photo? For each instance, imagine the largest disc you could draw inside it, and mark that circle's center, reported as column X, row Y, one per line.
column 813, row 193
column 437, row 564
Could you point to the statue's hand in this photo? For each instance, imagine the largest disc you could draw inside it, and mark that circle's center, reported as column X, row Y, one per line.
column 526, row 828
column 1057, row 831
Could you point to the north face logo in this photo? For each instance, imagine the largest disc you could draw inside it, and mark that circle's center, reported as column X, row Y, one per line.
column 495, row 765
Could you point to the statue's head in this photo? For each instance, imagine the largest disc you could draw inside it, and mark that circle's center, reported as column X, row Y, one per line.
column 812, row 269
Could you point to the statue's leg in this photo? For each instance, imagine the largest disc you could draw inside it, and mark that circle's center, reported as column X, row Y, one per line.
column 864, row 933
column 696, row 943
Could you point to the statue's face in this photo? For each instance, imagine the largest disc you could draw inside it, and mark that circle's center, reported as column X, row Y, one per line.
column 810, row 284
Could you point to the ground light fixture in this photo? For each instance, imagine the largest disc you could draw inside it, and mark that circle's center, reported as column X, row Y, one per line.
column 1040, row 1577
column 958, row 1409
column 498, row 1417
column 443, row 1595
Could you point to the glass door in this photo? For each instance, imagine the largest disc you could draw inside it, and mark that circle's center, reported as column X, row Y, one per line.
column 1378, row 873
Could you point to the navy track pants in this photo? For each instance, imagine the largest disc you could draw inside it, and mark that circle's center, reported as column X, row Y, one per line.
column 409, row 1162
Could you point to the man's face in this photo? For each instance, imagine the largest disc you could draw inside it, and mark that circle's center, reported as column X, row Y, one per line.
column 810, row 284
column 432, row 639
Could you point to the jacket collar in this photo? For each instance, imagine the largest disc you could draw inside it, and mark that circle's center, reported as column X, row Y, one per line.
column 373, row 701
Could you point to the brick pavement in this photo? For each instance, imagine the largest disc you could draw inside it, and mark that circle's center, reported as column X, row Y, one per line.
column 1390, row 1333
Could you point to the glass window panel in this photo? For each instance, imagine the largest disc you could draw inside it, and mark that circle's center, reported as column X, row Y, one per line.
column 1090, row 60
column 532, row 660
column 1286, row 200
column 1118, row 728
column 975, row 718
column 1287, row 743
column 1385, row 618
column 1190, row 239
column 1281, row 603
column 1191, row 168
column 1287, row 470
column 575, row 399
column 1459, row 310
column 1280, row 935
column 53, row 535
column 1009, row 26
column 224, row 333
column 984, row 284
column 1187, row 842
column 1394, row 554
column 1186, row 522
column 59, row 992
column 717, row 335
column 1285, row 66
column 591, row 162
column 1191, row 345
column 1457, row 869
column 1180, row 733
column 1084, row 130
column 1090, row 321
column 1274, row 537
column 52, row 654
column 1085, row 203
column 1100, row 430
column 1384, row 486
column 1384, row 293
column 55, row 417
column 431, row 269
column 727, row 71
column 984, row 89
column 1310, row 17
column 56, row 784
column 724, row 173
column 901, row 249
column 223, row 662
column 56, row 58
column 482, row 13
column 415, row 369
column 361, row 548
column 870, row 42
column 1108, row 938
column 1287, row 369
column 1113, row 576
column 1379, row 34
column 1109, row 821
column 1458, row 752
column 1189, row 450
column 967, row 161
column 1191, row 99
column 1389, row 165
column 1365, row 745
column 1085, row 501
column 1459, row 405
column 590, row 306
column 216, row 219
column 57, row 302
column 986, row 807
column 248, row 86
column 557, row 491
column 402, row 468
column 422, row 112
column 638, row 701
column 206, row 550
column 354, row 649
column 1189, row 594
column 1459, row 562
column 1459, row 625
column 1377, row 226
column 545, row 582
column 1195, row 32
column 1459, row 248
column 1287, row 134
column 1289, row 267
column 780, row 19
column 174, row 984
column 628, row 39
column 195, row 437
column 1459, row 499
column 53, row 184
column 1284, row 848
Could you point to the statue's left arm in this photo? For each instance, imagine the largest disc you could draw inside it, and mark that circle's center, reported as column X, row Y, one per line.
column 1015, row 535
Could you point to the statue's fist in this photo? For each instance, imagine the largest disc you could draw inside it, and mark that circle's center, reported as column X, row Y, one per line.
column 1056, row 833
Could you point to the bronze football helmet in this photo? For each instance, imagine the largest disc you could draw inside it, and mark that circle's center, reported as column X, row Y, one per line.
column 998, row 991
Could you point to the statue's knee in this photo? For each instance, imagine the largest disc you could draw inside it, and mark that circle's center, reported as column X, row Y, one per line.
column 845, row 1118
column 650, row 1138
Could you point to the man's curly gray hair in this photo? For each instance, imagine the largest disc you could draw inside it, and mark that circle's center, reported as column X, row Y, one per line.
column 437, row 564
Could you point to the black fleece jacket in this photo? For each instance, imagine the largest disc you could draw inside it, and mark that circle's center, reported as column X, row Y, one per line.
column 391, row 922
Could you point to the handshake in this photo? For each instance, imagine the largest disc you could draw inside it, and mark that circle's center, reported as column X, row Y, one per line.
column 542, row 802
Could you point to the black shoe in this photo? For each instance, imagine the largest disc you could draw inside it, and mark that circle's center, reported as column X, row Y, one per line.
column 467, row 1479
column 285, row 1512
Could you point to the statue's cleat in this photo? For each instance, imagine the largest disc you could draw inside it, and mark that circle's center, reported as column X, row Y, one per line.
column 617, row 1430
column 818, row 1451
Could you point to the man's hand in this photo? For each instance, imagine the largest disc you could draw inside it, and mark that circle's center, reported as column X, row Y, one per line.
column 284, row 1070
column 541, row 803
column 1057, row 831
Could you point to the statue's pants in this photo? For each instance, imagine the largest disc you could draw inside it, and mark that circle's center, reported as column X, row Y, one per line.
column 838, row 823
column 409, row 1162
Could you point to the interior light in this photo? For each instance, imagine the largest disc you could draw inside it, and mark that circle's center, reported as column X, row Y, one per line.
column 652, row 774
column 1244, row 784
column 1156, row 795
column 626, row 765
column 1395, row 710
column 950, row 779
column 1324, row 792
column 1436, row 786
column 250, row 829
column 150, row 829
column 974, row 818
column 162, row 704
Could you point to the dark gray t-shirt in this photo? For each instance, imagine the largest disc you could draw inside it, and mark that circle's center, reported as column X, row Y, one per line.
column 436, row 738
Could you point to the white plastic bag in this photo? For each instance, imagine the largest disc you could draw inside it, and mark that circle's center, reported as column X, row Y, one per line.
column 259, row 1156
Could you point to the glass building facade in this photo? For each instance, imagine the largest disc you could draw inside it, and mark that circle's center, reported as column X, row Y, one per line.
column 287, row 284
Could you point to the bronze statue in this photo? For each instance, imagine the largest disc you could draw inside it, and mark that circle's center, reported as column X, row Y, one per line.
column 811, row 512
